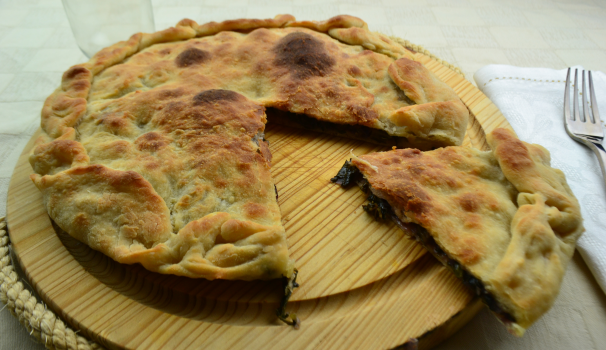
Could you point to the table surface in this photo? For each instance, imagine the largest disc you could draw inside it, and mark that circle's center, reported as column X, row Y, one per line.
column 37, row 46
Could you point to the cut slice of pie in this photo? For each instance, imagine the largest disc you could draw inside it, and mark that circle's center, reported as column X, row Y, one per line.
column 504, row 220
column 152, row 152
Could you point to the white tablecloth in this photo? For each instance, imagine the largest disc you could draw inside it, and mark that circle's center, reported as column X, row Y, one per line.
column 36, row 46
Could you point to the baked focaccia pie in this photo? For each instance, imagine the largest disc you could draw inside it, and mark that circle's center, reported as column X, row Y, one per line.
column 152, row 152
column 504, row 220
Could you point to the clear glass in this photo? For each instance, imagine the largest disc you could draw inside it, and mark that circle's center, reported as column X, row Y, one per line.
column 100, row 23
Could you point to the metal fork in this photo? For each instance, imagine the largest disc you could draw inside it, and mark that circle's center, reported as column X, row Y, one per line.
column 586, row 128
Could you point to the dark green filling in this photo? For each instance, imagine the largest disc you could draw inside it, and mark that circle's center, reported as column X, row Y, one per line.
column 422, row 236
column 380, row 209
column 377, row 207
column 289, row 285
column 357, row 132
column 348, row 175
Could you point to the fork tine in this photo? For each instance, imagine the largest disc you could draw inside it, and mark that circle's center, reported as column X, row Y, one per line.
column 575, row 96
column 594, row 103
column 567, row 98
column 584, row 98
column 589, row 134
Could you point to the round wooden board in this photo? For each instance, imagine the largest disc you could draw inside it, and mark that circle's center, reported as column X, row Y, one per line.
column 363, row 283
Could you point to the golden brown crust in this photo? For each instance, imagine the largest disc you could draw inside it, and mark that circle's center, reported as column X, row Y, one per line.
column 58, row 155
column 179, row 115
column 449, row 191
column 528, row 168
column 330, row 81
column 372, row 41
column 436, row 114
column 174, row 160
column 506, row 215
column 66, row 105
column 106, row 208
column 240, row 25
column 341, row 21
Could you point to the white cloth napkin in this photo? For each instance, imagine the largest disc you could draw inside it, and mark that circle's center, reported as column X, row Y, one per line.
column 532, row 101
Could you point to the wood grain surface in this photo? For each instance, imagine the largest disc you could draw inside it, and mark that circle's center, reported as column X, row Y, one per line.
column 363, row 283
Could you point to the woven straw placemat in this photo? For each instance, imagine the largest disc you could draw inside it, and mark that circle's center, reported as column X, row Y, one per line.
column 42, row 323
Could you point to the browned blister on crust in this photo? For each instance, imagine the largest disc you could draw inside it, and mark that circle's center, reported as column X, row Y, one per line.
column 505, row 215
column 60, row 154
column 66, row 105
column 158, row 140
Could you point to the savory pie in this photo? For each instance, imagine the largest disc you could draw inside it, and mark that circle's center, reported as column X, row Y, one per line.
column 504, row 220
column 152, row 152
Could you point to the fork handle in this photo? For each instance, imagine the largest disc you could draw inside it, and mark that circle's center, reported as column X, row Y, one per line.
column 599, row 151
